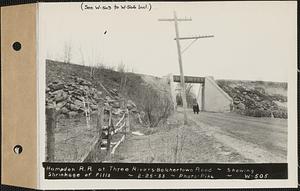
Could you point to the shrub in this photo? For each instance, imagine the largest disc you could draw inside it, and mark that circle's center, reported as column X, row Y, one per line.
column 156, row 105
column 280, row 114
column 258, row 113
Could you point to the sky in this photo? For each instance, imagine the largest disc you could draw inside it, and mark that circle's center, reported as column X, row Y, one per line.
column 252, row 40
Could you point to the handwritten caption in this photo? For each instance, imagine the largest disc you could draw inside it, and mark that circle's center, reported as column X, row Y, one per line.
column 162, row 171
column 85, row 6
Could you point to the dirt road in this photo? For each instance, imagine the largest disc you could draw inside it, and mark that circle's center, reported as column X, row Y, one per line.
column 209, row 138
column 257, row 139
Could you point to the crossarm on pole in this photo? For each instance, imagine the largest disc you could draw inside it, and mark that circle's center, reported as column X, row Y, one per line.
column 185, row 19
column 195, row 37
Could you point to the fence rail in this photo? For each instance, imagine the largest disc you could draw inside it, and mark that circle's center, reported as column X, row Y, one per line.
column 104, row 144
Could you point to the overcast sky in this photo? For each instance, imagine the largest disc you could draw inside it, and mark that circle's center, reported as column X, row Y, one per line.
column 253, row 40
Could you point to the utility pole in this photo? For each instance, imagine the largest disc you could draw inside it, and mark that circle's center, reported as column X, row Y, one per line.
column 175, row 19
column 184, row 103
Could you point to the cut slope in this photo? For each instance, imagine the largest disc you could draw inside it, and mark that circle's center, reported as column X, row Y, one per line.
column 257, row 98
column 149, row 99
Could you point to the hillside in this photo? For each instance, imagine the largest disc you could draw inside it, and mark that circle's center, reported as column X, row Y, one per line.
column 257, row 98
column 69, row 86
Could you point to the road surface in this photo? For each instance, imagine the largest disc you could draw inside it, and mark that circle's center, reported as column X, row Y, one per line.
column 209, row 138
column 257, row 139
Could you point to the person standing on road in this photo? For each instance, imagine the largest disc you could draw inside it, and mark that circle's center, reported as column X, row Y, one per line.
column 197, row 108
column 194, row 108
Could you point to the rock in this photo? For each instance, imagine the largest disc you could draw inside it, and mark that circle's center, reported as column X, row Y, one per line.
column 94, row 112
column 134, row 110
column 116, row 97
column 62, row 96
column 130, row 104
column 97, row 95
column 83, row 82
column 109, row 100
column 56, row 87
column 137, row 133
column 61, row 104
column 117, row 111
column 115, row 104
column 86, row 83
column 64, row 110
column 142, row 114
column 94, row 107
column 78, row 80
column 86, row 89
column 78, row 103
column 139, row 118
column 80, row 110
column 93, row 102
column 71, row 95
column 73, row 107
column 50, row 105
column 236, row 101
column 72, row 114
column 241, row 106
column 77, row 97
column 114, row 92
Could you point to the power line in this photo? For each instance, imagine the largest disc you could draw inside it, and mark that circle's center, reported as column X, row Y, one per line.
column 176, row 20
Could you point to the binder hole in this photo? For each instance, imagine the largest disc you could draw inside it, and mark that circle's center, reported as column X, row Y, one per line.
column 18, row 149
column 17, row 46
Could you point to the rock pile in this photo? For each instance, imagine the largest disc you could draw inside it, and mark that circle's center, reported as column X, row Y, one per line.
column 244, row 98
column 80, row 97
column 255, row 101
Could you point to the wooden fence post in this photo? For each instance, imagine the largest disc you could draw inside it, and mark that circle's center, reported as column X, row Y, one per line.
column 128, row 121
column 109, row 132
column 50, row 126
column 99, row 126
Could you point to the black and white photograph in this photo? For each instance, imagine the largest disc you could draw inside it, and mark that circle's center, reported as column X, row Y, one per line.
column 168, row 82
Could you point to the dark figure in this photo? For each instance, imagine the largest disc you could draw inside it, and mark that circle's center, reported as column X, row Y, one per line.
column 197, row 108
column 194, row 108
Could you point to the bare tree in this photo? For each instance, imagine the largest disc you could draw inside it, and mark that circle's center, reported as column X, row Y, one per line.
column 82, row 56
column 190, row 95
column 93, row 63
column 121, row 67
column 156, row 105
column 67, row 52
